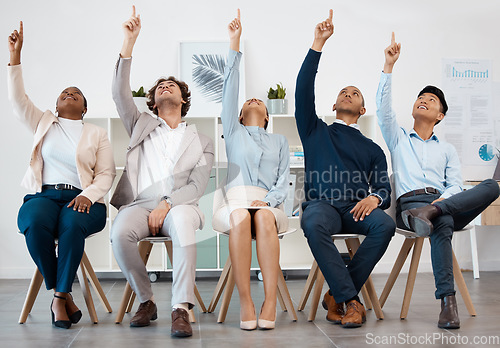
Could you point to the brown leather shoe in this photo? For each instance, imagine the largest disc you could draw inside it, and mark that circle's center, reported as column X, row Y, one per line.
column 147, row 311
column 335, row 310
column 355, row 314
column 181, row 326
column 419, row 219
column 448, row 318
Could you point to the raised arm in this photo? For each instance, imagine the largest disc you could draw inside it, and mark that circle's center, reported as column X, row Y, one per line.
column 230, row 89
column 122, row 94
column 24, row 108
column 305, row 109
column 386, row 116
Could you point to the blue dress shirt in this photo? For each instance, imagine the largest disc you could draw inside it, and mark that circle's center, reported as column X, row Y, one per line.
column 255, row 157
column 416, row 163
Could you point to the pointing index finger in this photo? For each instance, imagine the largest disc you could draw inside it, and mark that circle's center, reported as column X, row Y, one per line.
column 393, row 40
column 331, row 15
column 133, row 10
column 21, row 28
column 239, row 14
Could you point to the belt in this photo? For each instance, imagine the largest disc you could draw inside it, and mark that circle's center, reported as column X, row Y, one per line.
column 424, row 191
column 61, row 187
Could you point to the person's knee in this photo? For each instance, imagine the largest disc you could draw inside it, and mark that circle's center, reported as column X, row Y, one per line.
column 493, row 189
column 239, row 216
column 264, row 218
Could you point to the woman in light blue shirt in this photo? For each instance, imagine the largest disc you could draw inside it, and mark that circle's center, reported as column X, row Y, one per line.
column 256, row 186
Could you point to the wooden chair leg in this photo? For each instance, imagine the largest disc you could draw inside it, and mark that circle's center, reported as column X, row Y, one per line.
column 95, row 283
column 396, row 269
column 370, row 289
column 283, row 290
column 131, row 301
column 368, row 302
column 462, row 287
column 318, row 288
column 280, row 299
column 124, row 304
column 311, row 278
column 412, row 274
column 82, row 278
column 199, row 300
column 35, row 284
column 192, row 317
column 226, row 299
column 220, row 286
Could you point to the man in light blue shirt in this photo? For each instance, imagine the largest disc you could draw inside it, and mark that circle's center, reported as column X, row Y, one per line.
column 428, row 181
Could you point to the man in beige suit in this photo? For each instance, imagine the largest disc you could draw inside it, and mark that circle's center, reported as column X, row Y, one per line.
column 167, row 170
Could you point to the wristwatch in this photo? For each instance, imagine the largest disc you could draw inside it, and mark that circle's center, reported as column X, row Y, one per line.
column 168, row 200
column 268, row 204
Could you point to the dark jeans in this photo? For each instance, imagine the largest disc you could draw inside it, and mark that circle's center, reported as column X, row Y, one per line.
column 43, row 218
column 322, row 219
column 458, row 211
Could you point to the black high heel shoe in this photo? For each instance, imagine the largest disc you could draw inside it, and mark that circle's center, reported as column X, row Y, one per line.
column 63, row 324
column 76, row 316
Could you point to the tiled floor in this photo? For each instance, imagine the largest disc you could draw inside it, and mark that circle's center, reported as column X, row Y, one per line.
column 419, row 328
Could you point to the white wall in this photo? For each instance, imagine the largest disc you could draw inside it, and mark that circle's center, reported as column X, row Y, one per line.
column 77, row 43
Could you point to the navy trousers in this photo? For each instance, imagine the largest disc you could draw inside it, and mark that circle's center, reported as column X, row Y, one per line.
column 45, row 217
column 322, row 219
column 458, row 211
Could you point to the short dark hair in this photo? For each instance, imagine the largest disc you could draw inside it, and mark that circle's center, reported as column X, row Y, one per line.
column 186, row 95
column 438, row 93
column 267, row 113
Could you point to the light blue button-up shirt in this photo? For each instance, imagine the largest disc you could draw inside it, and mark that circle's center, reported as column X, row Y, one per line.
column 416, row 163
column 255, row 157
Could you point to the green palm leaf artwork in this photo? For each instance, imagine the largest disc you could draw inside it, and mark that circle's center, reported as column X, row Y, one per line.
column 208, row 75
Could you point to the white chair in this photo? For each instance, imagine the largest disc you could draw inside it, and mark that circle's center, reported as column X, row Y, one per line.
column 415, row 242
column 85, row 273
column 226, row 279
column 128, row 298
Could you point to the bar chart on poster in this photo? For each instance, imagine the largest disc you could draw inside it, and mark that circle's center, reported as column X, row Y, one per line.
column 471, row 121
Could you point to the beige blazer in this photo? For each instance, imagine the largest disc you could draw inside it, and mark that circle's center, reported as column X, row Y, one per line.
column 195, row 153
column 94, row 156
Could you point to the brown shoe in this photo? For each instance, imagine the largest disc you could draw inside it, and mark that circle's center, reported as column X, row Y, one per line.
column 335, row 310
column 355, row 314
column 181, row 326
column 448, row 318
column 146, row 312
column 419, row 219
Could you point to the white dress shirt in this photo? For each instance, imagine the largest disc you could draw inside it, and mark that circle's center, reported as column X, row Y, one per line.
column 157, row 162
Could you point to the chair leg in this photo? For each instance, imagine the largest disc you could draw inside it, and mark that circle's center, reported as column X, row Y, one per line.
column 396, row 269
column 366, row 298
column 352, row 247
column 473, row 248
column 82, row 278
column 462, row 287
column 412, row 274
column 283, row 290
column 318, row 288
column 36, row 283
column 220, row 286
column 311, row 278
column 280, row 299
column 226, row 299
column 95, row 283
column 131, row 301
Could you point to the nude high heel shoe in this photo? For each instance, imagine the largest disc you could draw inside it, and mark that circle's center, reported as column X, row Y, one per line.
column 266, row 324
